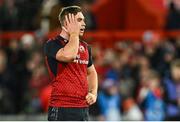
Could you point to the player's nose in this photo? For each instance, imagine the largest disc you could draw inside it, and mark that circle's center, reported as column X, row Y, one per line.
column 83, row 23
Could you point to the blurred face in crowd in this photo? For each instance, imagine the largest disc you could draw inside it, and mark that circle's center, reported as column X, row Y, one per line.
column 116, row 64
column 153, row 83
column 176, row 74
column 110, row 87
column 168, row 57
column 3, row 61
column 144, row 62
column 124, row 57
column 13, row 45
column 113, row 90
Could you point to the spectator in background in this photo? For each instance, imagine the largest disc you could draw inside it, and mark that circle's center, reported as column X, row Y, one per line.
column 131, row 111
column 37, row 83
column 3, row 62
column 126, row 70
column 168, row 55
column 144, row 69
column 104, row 65
column 17, row 64
column 46, row 18
column 90, row 18
column 28, row 44
column 97, row 55
column 151, row 98
column 177, row 47
column 114, row 70
column 7, row 105
column 9, row 16
column 172, row 92
column 127, row 87
column 27, row 10
column 18, row 14
column 173, row 18
column 109, row 101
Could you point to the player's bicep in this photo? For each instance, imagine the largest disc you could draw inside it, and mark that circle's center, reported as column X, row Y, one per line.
column 91, row 69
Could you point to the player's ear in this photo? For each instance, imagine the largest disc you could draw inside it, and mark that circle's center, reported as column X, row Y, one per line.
column 64, row 23
column 64, row 26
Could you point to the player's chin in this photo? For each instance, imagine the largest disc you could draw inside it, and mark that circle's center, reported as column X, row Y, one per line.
column 81, row 34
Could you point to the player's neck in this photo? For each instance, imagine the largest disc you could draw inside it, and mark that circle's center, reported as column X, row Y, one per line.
column 64, row 34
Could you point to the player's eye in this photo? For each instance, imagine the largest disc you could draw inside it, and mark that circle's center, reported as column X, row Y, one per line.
column 79, row 19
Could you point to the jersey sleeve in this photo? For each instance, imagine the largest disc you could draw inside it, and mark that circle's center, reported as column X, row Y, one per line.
column 51, row 48
column 90, row 57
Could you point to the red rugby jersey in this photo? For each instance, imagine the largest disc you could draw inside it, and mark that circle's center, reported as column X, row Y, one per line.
column 69, row 80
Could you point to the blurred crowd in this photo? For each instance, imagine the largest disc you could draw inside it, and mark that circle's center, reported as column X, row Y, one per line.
column 22, row 75
column 137, row 80
column 38, row 14
column 30, row 15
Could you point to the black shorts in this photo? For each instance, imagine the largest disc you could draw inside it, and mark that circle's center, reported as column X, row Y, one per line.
column 68, row 114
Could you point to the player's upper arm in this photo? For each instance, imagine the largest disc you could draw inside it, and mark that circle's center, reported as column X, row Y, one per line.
column 91, row 69
column 51, row 48
column 55, row 50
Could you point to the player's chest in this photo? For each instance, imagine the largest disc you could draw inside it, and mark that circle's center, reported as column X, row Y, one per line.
column 82, row 56
column 82, row 52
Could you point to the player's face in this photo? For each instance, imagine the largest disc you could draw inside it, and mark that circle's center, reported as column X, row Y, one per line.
column 81, row 21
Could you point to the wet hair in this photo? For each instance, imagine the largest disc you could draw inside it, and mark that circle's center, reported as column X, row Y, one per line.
column 66, row 10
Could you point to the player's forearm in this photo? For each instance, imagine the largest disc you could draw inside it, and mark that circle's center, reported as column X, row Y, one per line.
column 93, row 82
column 71, row 48
column 69, row 52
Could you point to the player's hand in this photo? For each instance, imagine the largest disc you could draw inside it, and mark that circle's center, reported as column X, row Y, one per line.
column 91, row 98
column 72, row 24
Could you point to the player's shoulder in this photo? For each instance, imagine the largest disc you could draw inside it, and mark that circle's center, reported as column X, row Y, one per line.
column 54, row 40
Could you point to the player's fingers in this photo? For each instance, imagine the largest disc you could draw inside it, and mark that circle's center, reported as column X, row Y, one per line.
column 88, row 99
column 88, row 102
column 91, row 102
column 67, row 20
column 88, row 96
column 73, row 18
column 70, row 18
